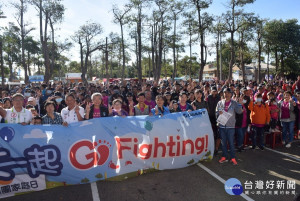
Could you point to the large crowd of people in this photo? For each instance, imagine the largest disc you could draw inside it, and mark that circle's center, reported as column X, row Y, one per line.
column 252, row 107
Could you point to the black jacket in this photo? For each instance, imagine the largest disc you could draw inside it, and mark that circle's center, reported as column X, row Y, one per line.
column 239, row 117
column 212, row 104
column 103, row 112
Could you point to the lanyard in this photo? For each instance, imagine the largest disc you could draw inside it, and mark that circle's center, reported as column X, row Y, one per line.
column 13, row 119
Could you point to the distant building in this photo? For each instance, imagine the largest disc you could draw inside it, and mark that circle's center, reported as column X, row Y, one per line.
column 210, row 71
column 73, row 77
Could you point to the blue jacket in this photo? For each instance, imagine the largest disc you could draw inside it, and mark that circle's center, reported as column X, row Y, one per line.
column 166, row 111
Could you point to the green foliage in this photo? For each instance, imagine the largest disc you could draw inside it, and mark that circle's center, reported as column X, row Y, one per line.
column 85, row 180
column 99, row 176
column 187, row 66
column 156, row 20
column 284, row 38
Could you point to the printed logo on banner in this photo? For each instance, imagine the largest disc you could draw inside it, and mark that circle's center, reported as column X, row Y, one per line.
column 85, row 154
column 175, row 145
column 7, row 133
column 233, row 187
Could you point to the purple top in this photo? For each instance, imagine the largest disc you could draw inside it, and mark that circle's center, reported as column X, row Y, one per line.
column 285, row 110
column 152, row 104
column 123, row 113
column 227, row 106
column 244, row 123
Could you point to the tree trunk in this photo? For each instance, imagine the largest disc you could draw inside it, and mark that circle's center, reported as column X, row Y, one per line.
column 165, row 66
column 136, row 53
column 218, row 57
column 242, row 57
column 190, row 44
column 160, row 51
column 106, row 61
column 52, row 50
column 276, row 59
column 149, row 66
column 203, row 61
column 10, row 65
column 123, row 52
column 139, row 34
column 28, row 63
column 111, row 65
column 81, row 59
column 84, row 71
column 174, row 55
column 282, row 63
column 22, row 41
column 46, row 52
column 41, row 36
column 1, row 62
column 268, row 53
column 259, row 62
column 231, row 56
column 153, row 41
column 232, row 51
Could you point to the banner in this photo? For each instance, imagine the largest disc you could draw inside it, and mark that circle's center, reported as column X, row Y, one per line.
column 113, row 148
column 36, row 78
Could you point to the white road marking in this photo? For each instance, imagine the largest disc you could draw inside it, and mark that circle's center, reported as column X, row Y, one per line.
column 285, row 154
column 95, row 193
column 221, row 180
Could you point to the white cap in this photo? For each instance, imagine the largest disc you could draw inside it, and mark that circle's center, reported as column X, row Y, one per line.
column 31, row 99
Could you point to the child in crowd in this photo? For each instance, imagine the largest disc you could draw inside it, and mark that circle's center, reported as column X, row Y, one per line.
column 174, row 106
column 117, row 109
column 141, row 108
column 37, row 120
column 274, row 111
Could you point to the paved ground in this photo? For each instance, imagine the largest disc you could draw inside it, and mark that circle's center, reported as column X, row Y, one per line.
column 191, row 183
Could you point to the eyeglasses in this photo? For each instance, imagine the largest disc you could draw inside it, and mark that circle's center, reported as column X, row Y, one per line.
column 18, row 100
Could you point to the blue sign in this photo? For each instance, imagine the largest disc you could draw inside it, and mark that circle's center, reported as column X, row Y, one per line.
column 36, row 78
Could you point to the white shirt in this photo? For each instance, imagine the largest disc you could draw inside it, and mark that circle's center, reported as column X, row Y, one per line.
column 70, row 116
column 14, row 117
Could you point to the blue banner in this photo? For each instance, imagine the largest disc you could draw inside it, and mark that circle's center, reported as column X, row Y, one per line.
column 112, row 148
column 36, row 78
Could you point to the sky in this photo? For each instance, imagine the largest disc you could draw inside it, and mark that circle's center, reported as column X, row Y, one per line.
column 78, row 12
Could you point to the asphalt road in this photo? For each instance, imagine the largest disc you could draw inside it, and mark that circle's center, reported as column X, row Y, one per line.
column 191, row 183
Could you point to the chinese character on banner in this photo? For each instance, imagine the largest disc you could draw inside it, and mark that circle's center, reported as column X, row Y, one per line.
column 15, row 187
column 34, row 184
column 291, row 184
column 38, row 160
column 25, row 185
column 43, row 160
column 248, row 185
column 259, row 185
column 5, row 189
column 270, row 184
column 280, row 184
column 8, row 164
